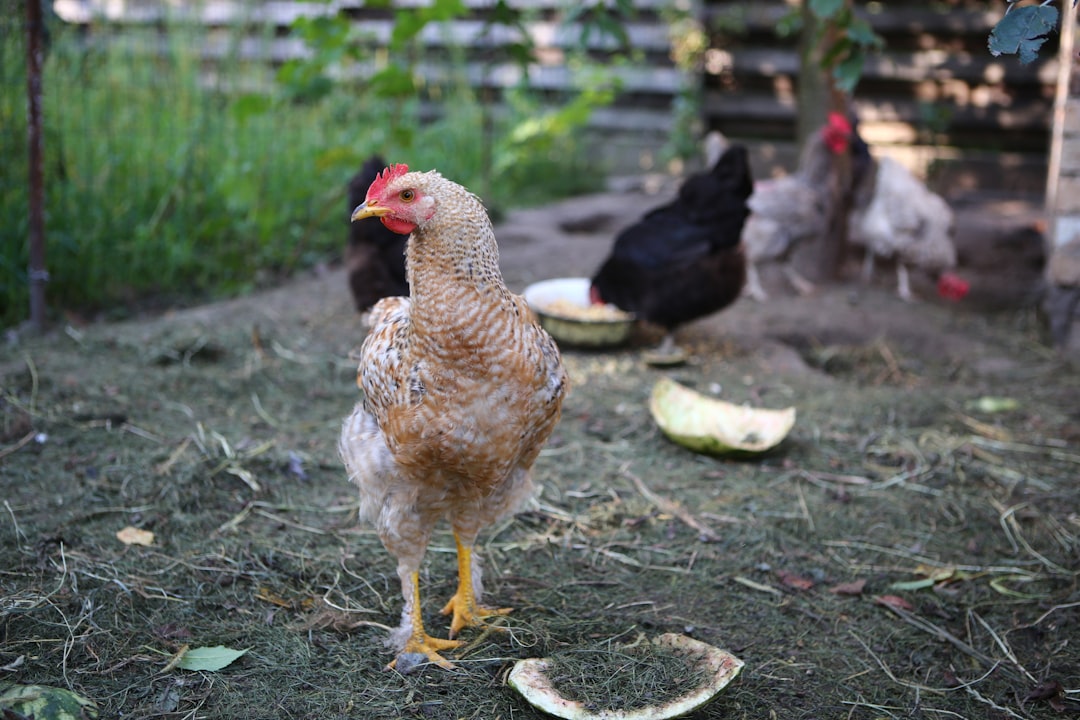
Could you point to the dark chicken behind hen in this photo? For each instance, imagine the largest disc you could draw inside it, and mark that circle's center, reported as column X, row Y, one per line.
column 683, row 261
column 375, row 256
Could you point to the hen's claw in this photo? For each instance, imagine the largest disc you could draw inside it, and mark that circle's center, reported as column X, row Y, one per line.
column 467, row 613
column 464, row 606
column 427, row 646
column 418, row 643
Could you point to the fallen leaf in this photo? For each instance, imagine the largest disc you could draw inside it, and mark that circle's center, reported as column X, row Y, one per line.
column 1051, row 691
column 893, row 601
column 45, row 703
column 794, row 581
column 849, row 588
column 134, row 536
column 209, row 659
column 267, row 595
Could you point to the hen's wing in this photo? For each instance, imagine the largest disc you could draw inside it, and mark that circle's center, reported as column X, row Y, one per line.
column 382, row 355
column 783, row 212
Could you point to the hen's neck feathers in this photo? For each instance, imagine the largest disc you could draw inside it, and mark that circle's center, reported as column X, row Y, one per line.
column 453, row 257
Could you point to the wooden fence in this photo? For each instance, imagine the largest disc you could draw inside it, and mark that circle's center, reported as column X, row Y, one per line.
column 935, row 97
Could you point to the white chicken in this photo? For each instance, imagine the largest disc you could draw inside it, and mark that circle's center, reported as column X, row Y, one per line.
column 792, row 209
column 897, row 217
column 783, row 212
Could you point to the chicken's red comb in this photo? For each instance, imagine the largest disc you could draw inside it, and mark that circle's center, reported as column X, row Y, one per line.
column 837, row 122
column 391, row 173
column 836, row 133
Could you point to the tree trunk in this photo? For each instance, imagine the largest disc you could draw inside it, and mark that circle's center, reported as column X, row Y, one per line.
column 812, row 92
column 818, row 96
column 35, row 55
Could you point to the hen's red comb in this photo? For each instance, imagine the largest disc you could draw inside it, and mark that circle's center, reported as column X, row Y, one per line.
column 836, row 133
column 839, row 123
column 391, row 173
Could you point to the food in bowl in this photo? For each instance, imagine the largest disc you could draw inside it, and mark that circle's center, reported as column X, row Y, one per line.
column 574, row 311
column 564, row 309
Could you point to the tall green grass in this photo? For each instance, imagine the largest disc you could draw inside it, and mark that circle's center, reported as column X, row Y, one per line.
column 163, row 189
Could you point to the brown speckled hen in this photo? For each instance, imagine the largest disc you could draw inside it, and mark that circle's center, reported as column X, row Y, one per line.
column 461, row 390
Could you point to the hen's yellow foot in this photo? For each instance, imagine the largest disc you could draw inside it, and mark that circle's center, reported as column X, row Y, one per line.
column 467, row 613
column 429, row 647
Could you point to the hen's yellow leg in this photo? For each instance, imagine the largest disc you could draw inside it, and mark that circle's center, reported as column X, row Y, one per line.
column 419, row 641
column 467, row 611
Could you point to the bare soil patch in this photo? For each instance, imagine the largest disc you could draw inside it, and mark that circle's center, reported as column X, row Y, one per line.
column 936, row 446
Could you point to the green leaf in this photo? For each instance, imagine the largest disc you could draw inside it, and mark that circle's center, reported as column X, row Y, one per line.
column 861, row 33
column 250, row 105
column 847, row 73
column 45, row 703
column 209, row 659
column 443, row 10
column 1023, row 31
column 407, row 25
column 825, row 9
column 790, row 23
column 393, row 81
column 835, row 52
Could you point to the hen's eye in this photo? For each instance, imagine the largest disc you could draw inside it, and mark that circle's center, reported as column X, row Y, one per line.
column 407, row 195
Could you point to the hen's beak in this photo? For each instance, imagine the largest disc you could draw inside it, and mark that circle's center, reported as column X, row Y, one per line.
column 367, row 210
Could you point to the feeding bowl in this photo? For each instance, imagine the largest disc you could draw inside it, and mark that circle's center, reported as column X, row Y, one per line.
column 565, row 311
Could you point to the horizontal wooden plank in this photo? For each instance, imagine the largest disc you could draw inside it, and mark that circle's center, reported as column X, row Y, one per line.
column 937, row 64
column 633, row 79
column 885, row 18
column 1031, row 115
column 645, row 36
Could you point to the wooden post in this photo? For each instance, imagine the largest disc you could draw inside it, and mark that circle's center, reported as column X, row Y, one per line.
column 1062, row 300
column 35, row 54
column 818, row 95
column 1063, row 175
column 812, row 91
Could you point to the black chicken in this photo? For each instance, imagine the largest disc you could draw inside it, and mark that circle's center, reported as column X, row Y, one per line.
column 375, row 256
column 683, row 261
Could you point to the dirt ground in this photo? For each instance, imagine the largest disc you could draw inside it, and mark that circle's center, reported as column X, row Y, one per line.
column 912, row 550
